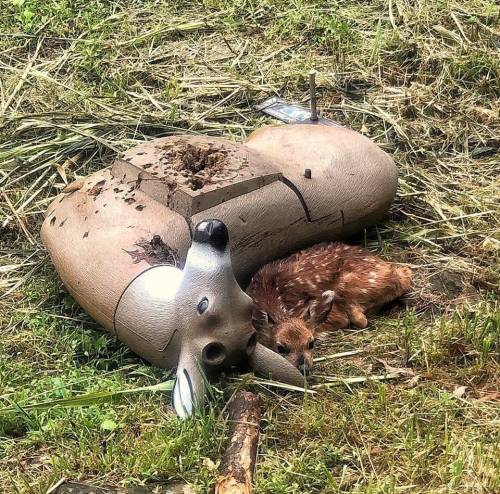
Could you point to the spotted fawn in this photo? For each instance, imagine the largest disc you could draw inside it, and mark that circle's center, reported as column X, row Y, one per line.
column 328, row 286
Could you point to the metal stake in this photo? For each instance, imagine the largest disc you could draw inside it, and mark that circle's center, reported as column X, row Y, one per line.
column 312, row 95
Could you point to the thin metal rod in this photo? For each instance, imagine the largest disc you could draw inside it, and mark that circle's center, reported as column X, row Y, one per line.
column 312, row 95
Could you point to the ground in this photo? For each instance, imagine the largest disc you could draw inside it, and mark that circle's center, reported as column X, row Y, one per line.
column 81, row 80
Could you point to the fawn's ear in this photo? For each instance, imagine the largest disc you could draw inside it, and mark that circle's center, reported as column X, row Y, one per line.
column 321, row 307
column 262, row 324
column 260, row 320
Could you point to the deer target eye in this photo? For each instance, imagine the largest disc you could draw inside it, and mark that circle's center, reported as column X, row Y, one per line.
column 202, row 305
column 310, row 346
column 282, row 350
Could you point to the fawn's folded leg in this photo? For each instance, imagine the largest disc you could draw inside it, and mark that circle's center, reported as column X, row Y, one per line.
column 337, row 319
column 357, row 316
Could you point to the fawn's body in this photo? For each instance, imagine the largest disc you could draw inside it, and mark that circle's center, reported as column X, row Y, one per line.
column 331, row 283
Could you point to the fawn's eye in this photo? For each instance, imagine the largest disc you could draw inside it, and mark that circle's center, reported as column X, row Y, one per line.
column 202, row 305
column 310, row 346
column 283, row 350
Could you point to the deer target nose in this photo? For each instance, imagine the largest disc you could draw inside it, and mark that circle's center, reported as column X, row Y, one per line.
column 214, row 354
column 212, row 232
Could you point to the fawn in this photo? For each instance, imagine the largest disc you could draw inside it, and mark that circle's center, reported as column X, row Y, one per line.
column 330, row 284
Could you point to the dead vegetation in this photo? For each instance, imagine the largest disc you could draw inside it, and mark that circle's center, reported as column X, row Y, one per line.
column 83, row 81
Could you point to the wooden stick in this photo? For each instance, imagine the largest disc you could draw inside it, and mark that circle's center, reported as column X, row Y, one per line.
column 238, row 462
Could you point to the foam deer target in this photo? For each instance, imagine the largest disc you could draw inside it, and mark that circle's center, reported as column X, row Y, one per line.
column 119, row 237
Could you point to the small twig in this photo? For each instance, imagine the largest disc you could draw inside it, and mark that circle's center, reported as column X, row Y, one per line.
column 461, row 217
column 339, row 381
column 19, row 220
column 391, row 16
column 338, row 355
column 274, row 384
column 457, row 22
column 236, row 61
column 54, row 487
column 23, row 78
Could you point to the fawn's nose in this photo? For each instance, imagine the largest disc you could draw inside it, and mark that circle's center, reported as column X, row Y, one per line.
column 304, row 366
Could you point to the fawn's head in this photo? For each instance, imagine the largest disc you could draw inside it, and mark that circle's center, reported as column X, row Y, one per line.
column 292, row 336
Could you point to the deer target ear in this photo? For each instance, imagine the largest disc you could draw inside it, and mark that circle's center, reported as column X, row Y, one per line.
column 321, row 307
column 260, row 320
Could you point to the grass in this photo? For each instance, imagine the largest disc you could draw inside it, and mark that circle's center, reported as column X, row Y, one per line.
column 82, row 80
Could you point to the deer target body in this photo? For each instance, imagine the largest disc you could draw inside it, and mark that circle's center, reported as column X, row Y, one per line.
column 156, row 247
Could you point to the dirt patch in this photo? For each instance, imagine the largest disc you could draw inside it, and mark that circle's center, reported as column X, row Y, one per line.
column 154, row 252
column 79, row 488
column 441, row 291
column 448, row 283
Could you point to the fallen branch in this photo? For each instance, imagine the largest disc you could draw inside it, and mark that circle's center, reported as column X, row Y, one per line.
column 238, row 462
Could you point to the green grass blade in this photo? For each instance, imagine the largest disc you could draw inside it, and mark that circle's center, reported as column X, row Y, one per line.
column 94, row 398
